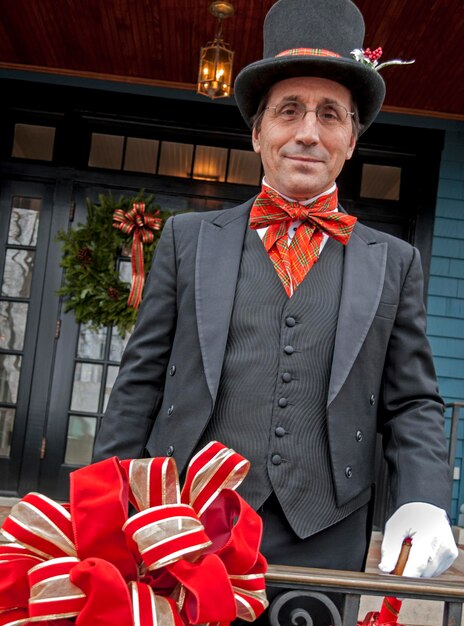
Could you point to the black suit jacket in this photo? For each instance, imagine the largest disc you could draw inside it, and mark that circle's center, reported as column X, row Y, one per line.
column 382, row 373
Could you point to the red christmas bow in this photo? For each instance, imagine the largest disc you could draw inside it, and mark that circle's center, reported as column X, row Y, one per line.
column 182, row 559
column 292, row 262
column 140, row 225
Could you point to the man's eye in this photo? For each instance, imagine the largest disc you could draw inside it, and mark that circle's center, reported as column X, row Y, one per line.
column 288, row 110
column 329, row 114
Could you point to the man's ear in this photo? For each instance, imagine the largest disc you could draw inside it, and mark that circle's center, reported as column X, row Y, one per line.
column 255, row 140
column 351, row 147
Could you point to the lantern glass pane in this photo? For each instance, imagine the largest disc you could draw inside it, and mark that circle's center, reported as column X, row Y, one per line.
column 215, row 74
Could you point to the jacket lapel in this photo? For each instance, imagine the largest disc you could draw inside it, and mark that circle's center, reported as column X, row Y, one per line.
column 363, row 279
column 218, row 258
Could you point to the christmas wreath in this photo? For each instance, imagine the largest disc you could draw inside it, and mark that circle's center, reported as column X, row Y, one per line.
column 94, row 285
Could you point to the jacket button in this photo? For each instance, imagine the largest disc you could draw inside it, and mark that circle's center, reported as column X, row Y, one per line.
column 169, row 450
column 348, row 471
column 171, row 409
column 283, row 402
column 289, row 349
column 290, row 322
column 359, row 435
column 172, row 370
column 372, row 400
column 286, row 377
column 276, row 459
column 280, row 431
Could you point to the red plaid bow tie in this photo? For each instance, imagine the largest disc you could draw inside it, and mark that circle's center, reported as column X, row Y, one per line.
column 293, row 262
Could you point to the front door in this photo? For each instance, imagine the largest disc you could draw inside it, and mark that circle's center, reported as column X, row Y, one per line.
column 28, row 222
column 86, row 365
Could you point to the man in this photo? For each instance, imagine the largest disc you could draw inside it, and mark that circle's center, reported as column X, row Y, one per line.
column 289, row 331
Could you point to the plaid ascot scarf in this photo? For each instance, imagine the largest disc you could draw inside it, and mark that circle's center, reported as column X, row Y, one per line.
column 292, row 262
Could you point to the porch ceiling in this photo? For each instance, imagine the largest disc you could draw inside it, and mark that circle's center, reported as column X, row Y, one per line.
column 158, row 42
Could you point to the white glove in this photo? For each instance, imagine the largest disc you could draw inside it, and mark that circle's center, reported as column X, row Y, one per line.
column 433, row 547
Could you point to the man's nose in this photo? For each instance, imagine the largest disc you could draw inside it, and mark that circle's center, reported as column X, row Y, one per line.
column 308, row 128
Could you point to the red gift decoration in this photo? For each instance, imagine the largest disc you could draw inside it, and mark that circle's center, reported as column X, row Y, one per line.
column 182, row 559
column 141, row 226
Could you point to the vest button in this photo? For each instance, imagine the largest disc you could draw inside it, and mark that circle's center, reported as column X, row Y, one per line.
column 372, row 400
column 172, row 370
column 283, row 402
column 169, row 450
column 289, row 349
column 171, row 409
column 290, row 321
column 286, row 377
column 276, row 459
column 359, row 435
column 280, row 431
column 348, row 471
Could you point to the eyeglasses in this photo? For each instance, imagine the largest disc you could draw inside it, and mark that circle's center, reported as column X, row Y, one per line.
column 330, row 114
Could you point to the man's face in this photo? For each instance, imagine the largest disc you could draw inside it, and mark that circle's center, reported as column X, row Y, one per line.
column 303, row 158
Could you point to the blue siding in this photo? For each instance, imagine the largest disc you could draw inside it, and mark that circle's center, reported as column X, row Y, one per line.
column 446, row 291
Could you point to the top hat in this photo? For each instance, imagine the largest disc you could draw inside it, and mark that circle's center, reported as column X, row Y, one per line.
column 312, row 38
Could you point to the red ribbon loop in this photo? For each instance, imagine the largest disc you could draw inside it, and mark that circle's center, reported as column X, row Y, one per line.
column 52, row 593
column 141, row 226
column 173, row 563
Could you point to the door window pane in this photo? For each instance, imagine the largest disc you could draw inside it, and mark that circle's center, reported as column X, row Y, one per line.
column 10, row 367
column 13, row 318
column 15, row 289
column 33, row 142
column 118, row 345
column 86, row 387
column 381, row 182
column 176, row 159
column 125, row 271
column 17, row 275
column 244, row 168
column 111, row 374
column 24, row 221
column 106, row 151
column 6, row 430
column 79, row 441
column 210, row 163
column 91, row 343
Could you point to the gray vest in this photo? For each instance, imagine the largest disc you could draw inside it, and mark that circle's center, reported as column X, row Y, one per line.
column 272, row 399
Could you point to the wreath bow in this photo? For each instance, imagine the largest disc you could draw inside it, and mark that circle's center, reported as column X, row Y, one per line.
column 140, row 225
column 185, row 557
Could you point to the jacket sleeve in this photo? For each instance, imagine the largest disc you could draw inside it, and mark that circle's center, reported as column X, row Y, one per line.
column 411, row 410
column 138, row 389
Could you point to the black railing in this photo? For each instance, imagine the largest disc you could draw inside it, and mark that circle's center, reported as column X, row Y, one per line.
column 306, row 604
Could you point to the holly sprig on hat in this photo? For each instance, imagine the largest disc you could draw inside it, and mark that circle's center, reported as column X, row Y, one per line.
column 371, row 58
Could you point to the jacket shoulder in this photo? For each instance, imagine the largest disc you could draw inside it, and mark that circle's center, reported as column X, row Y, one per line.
column 372, row 235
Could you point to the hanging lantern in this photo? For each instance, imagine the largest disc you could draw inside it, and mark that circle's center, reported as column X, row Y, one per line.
column 215, row 73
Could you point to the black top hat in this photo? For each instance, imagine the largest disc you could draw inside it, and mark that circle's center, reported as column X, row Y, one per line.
column 312, row 38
